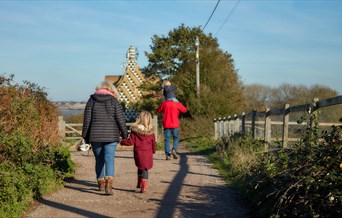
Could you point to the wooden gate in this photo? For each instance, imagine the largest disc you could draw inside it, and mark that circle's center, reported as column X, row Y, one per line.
column 73, row 131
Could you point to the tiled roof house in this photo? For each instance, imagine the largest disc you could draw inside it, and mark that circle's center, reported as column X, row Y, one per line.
column 127, row 84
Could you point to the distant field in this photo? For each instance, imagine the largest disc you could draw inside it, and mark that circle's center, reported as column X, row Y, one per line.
column 76, row 106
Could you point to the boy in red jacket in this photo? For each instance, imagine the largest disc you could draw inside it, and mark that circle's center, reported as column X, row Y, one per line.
column 171, row 110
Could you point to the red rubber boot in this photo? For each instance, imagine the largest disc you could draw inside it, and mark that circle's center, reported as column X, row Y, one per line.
column 143, row 185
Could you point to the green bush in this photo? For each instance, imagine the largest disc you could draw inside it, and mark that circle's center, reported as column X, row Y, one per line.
column 21, row 184
column 33, row 161
column 16, row 148
column 14, row 195
column 63, row 163
column 235, row 155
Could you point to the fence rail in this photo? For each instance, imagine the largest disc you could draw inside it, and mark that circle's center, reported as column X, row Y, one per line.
column 70, row 131
column 227, row 126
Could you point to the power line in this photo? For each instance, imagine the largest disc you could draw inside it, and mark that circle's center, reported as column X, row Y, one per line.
column 211, row 14
column 230, row 14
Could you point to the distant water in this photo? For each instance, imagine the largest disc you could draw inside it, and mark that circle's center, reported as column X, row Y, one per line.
column 65, row 112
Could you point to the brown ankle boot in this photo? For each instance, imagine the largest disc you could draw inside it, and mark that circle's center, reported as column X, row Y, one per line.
column 143, row 185
column 101, row 184
column 109, row 185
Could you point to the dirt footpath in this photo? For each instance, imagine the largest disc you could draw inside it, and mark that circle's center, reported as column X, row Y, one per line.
column 183, row 187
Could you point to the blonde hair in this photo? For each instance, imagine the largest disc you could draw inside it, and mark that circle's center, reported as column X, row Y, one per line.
column 107, row 85
column 145, row 119
column 167, row 83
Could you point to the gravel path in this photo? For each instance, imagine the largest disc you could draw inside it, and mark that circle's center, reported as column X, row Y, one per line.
column 183, row 187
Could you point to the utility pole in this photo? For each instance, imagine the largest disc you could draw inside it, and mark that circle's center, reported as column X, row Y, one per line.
column 197, row 68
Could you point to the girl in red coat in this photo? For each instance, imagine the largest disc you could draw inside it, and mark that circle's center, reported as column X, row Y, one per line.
column 144, row 141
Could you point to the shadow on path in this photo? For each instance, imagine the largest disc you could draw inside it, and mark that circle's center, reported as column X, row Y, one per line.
column 221, row 200
column 168, row 204
column 71, row 209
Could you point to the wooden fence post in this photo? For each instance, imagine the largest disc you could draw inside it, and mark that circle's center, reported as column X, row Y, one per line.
column 155, row 126
column 286, row 119
column 267, row 129
column 236, row 124
column 243, row 123
column 61, row 127
column 313, row 110
column 253, row 123
column 229, row 126
column 221, row 127
column 216, row 129
column 225, row 127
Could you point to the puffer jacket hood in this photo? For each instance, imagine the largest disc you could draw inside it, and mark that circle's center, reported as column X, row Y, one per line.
column 101, row 97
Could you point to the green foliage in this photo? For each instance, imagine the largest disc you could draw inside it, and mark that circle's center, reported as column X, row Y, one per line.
column 14, row 195
column 149, row 104
column 62, row 163
column 201, row 146
column 152, row 95
column 32, row 161
column 160, row 146
column 221, row 90
column 20, row 185
column 15, row 148
column 196, row 127
column 235, row 155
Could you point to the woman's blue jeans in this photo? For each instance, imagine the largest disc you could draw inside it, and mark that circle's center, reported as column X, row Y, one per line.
column 104, row 153
column 167, row 135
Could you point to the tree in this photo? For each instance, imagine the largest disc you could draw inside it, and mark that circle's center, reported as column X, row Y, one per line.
column 151, row 91
column 173, row 57
column 257, row 97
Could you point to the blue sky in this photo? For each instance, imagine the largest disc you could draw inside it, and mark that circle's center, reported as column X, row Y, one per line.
column 69, row 46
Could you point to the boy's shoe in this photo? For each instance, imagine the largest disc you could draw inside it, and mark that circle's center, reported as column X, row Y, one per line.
column 174, row 154
column 168, row 157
